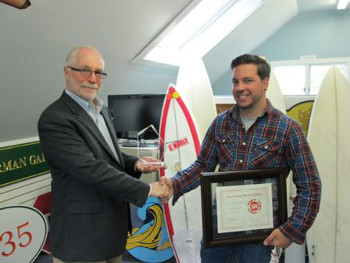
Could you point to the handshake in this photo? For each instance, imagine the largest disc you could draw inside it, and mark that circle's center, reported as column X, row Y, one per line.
column 164, row 188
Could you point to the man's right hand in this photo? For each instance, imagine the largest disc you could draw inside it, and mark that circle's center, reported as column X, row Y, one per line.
column 160, row 189
column 170, row 185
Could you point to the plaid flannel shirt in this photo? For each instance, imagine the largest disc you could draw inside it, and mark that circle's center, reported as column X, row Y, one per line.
column 273, row 141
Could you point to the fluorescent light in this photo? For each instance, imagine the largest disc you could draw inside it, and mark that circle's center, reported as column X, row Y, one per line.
column 200, row 30
column 342, row 4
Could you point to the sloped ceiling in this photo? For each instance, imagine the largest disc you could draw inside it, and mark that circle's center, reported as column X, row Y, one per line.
column 316, row 5
column 270, row 17
column 35, row 41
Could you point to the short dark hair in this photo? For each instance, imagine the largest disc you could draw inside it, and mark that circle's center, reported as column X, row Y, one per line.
column 264, row 67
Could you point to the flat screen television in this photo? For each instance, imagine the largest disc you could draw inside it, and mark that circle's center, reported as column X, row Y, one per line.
column 132, row 113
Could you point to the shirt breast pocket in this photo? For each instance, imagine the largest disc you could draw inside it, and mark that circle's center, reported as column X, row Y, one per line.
column 265, row 154
column 227, row 150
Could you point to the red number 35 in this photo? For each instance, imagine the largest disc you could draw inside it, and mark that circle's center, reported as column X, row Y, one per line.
column 10, row 245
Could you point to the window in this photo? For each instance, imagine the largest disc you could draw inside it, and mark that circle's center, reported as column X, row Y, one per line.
column 291, row 79
column 304, row 77
column 317, row 73
column 198, row 29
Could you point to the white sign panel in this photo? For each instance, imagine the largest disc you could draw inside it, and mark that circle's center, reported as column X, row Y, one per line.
column 23, row 231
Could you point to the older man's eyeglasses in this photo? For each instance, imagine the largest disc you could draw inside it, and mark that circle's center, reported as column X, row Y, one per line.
column 86, row 73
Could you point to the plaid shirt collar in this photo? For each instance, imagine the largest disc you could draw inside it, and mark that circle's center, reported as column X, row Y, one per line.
column 234, row 111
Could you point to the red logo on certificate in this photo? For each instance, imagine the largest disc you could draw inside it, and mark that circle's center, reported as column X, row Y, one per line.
column 254, row 206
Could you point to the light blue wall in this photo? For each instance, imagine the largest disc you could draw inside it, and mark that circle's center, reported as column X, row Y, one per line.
column 325, row 34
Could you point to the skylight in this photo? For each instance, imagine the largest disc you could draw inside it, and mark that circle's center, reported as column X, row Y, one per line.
column 198, row 29
column 342, row 4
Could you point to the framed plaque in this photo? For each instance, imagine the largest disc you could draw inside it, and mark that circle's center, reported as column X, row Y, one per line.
column 242, row 206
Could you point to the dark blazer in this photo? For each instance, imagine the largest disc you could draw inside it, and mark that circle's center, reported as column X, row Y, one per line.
column 91, row 190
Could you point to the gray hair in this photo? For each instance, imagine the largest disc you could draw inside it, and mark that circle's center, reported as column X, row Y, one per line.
column 73, row 54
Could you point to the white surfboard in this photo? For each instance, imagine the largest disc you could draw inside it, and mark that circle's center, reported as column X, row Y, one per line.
column 194, row 86
column 294, row 253
column 328, row 239
column 179, row 145
column 274, row 94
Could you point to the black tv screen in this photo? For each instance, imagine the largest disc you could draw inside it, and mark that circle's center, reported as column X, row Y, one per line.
column 132, row 113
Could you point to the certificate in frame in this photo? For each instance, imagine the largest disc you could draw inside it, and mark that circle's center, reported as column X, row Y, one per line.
column 242, row 206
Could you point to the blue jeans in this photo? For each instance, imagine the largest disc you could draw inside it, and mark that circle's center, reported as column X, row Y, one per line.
column 244, row 253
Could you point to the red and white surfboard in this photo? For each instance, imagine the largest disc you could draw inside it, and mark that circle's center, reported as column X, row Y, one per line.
column 179, row 146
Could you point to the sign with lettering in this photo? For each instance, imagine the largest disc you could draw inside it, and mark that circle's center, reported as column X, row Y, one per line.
column 23, row 231
column 22, row 161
